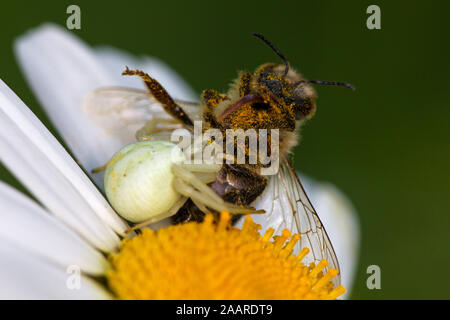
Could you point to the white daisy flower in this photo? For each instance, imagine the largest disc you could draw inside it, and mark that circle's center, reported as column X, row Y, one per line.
column 73, row 226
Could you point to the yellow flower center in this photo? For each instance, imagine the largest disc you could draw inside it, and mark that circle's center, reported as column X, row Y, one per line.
column 216, row 261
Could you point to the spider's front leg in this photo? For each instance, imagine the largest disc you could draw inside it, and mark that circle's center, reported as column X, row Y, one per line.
column 151, row 128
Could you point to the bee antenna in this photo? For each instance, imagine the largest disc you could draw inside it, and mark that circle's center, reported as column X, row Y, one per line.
column 333, row 83
column 259, row 35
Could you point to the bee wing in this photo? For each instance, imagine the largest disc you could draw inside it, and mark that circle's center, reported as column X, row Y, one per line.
column 288, row 206
column 192, row 109
column 123, row 111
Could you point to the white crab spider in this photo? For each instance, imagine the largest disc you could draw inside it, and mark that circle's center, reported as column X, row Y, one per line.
column 148, row 181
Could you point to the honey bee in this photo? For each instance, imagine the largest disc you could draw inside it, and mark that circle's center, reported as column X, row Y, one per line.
column 274, row 96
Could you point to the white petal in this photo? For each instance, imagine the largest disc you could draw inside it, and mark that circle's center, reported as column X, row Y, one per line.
column 115, row 61
column 27, row 225
column 341, row 223
column 36, row 158
column 25, row 276
column 61, row 70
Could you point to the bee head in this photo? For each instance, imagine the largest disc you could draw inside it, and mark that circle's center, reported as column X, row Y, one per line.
column 285, row 90
column 274, row 95
column 280, row 84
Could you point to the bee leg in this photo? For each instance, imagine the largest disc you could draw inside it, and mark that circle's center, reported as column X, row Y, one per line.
column 151, row 128
column 160, row 94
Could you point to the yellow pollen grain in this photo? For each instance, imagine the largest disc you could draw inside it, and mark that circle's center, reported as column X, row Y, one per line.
column 211, row 260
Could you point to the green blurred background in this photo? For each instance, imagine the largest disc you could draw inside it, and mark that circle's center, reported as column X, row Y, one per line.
column 386, row 145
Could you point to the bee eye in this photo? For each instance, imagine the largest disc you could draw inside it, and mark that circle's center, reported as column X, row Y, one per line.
column 303, row 108
column 275, row 87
